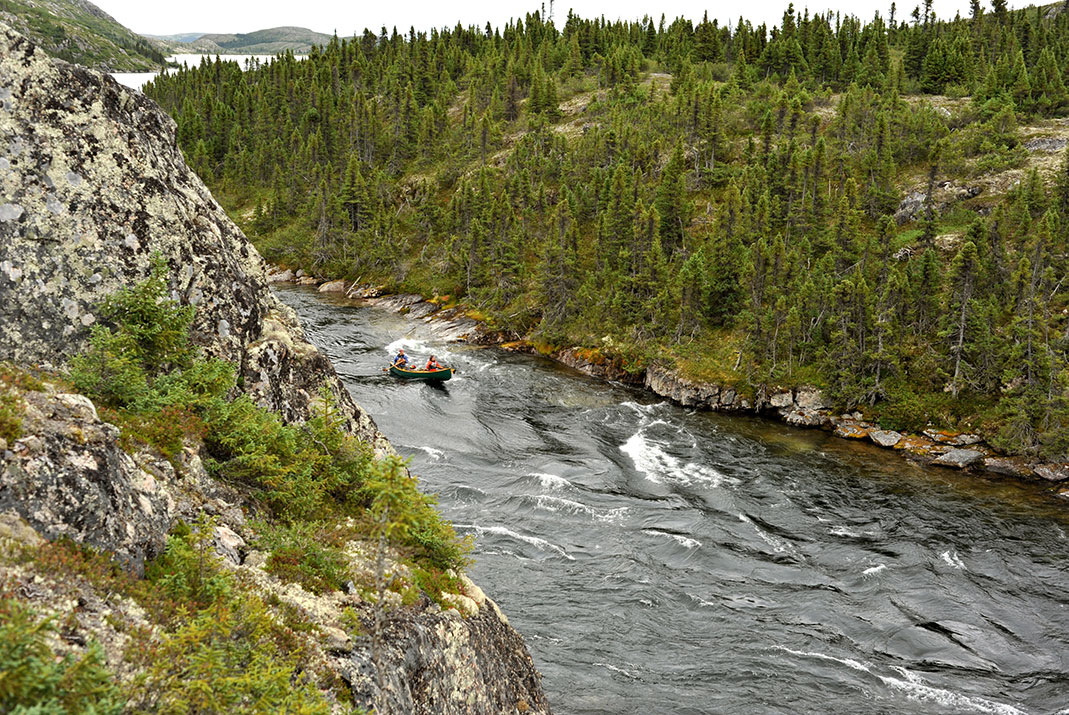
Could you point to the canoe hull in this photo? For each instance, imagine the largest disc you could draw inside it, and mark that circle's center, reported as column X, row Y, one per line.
column 428, row 375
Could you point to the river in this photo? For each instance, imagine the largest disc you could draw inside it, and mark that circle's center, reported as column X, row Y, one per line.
column 661, row 560
column 137, row 80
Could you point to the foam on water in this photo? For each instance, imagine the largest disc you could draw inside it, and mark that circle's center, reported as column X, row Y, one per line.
column 702, row 602
column 643, row 409
column 540, row 544
column 558, row 504
column 873, row 570
column 842, row 531
column 617, row 669
column 659, row 467
column 679, row 538
column 952, row 559
column 409, row 344
column 914, row 688
column 550, row 481
column 778, row 545
column 436, row 454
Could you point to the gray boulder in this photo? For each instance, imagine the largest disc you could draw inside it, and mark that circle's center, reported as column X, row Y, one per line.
column 885, row 438
column 781, row 399
column 910, row 207
column 666, row 383
column 810, row 398
column 67, row 476
column 1053, row 472
column 959, row 458
column 338, row 286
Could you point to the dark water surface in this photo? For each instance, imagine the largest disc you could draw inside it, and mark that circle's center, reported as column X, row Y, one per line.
column 660, row 560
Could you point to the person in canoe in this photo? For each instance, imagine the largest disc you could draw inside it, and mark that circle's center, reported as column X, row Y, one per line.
column 401, row 360
column 432, row 364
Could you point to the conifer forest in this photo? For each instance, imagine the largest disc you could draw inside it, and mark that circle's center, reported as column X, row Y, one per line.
column 878, row 207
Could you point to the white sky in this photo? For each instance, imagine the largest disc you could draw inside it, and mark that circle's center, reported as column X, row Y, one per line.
column 233, row 16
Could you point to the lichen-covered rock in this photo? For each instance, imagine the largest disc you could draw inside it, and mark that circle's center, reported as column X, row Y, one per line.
column 850, row 429
column 781, row 399
column 1053, row 472
column 92, row 184
column 804, row 417
column 810, row 398
column 285, row 276
column 959, row 458
column 885, row 438
column 666, row 383
column 595, row 364
column 1009, row 466
column 443, row 663
column 67, row 476
column 334, row 287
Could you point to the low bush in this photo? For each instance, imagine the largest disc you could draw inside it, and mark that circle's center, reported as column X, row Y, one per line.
column 13, row 380
column 228, row 658
column 302, row 553
column 34, row 680
column 143, row 368
column 188, row 570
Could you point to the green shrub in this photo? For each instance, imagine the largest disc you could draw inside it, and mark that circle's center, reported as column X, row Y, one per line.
column 229, row 658
column 145, row 370
column 410, row 518
column 10, row 415
column 149, row 336
column 165, row 429
column 34, row 680
column 188, row 570
column 302, row 553
column 301, row 471
column 434, row 582
column 13, row 380
column 109, row 373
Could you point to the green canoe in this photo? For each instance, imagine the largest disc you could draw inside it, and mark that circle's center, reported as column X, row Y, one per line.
column 436, row 375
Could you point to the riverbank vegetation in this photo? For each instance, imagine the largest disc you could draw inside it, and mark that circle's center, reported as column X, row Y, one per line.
column 145, row 374
column 204, row 636
column 877, row 208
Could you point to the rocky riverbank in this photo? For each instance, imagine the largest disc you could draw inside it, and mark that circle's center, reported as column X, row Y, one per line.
column 93, row 192
column 804, row 406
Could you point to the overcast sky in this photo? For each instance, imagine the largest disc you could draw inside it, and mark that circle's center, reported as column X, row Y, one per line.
column 233, row 16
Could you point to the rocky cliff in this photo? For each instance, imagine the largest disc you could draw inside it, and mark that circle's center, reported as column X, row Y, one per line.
column 92, row 187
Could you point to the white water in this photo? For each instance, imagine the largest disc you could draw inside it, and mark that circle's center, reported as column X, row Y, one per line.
column 660, row 560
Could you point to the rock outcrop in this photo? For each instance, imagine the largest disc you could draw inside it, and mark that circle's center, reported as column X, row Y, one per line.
column 448, row 664
column 92, row 187
column 68, row 477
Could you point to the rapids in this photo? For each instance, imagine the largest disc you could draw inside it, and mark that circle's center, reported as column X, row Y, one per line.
column 660, row 560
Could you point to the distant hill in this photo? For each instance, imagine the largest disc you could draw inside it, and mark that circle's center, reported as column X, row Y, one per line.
column 79, row 31
column 182, row 37
column 271, row 41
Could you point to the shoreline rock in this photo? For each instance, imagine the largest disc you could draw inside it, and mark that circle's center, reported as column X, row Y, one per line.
column 804, row 406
